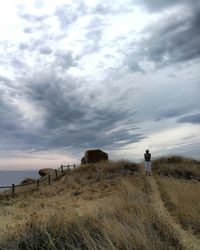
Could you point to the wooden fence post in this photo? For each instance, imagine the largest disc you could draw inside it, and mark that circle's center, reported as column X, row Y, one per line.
column 49, row 179
column 38, row 184
column 74, row 166
column 62, row 168
column 56, row 172
column 13, row 189
column 68, row 167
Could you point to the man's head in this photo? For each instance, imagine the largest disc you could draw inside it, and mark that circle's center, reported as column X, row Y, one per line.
column 147, row 151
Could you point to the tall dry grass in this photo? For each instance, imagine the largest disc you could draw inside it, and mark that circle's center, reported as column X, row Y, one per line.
column 178, row 167
column 102, row 206
column 183, row 200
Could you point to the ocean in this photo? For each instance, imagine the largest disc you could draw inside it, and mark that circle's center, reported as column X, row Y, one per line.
column 7, row 178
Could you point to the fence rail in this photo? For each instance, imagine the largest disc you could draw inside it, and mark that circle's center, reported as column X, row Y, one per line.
column 49, row 178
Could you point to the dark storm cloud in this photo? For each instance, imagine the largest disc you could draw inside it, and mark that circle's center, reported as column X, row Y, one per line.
column 15, row 132
column 8, row 115
column 174, row 39
column 69, row 119
column 190, row 119
column 11, row 124
column 59, row 103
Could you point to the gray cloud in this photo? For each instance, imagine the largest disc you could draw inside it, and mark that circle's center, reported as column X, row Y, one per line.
column 67, row 14
column 64, row 59
column 170, row 113
column 4, row 79
column 108, row 8
column 33, row 18
column 94, row 34
column 35, row 28
column 175, row 40
column 29, row 30
column 159, row 5
column 79, row 113
column 190, row 119
column 133, row 65
column 11, row 125
column 38, row 45
column 17, row 63
column 46, row 50
column 39, row 4
column 69, row 120
column 33, row 45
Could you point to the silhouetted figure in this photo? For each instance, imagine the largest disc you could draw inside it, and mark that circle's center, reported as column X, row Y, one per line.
column 147, row 162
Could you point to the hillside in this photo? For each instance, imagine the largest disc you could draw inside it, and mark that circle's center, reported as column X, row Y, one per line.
column 109, row 205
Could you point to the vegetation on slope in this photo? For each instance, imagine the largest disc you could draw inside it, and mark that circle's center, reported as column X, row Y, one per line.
column 103, row 206
column 178, row 167
column 179, row 183
column 182, row 198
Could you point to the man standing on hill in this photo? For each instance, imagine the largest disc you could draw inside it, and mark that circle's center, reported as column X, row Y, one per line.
column 147, row 162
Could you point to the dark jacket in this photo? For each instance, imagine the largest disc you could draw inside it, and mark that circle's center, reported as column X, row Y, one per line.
column 147, row 157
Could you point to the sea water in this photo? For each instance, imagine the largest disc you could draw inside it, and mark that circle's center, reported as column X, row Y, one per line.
column 7, row 178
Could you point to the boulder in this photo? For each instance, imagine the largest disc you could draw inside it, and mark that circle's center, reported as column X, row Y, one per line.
column 93, row 156
column 83, row 160
column 46, row 171
column 28, row 181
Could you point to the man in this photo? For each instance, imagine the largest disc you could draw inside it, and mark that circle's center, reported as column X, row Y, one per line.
column 147, row 162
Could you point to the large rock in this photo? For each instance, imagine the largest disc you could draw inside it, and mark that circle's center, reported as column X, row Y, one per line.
column 95, row 155
column 28, row 181
column 83, row 160
column 46, row 171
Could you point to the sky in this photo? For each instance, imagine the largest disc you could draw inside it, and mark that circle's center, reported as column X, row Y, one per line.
column 122, row 76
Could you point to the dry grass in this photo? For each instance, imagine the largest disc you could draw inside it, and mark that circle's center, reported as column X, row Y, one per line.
column 180, row 189
column 178, row 167
column 102, row 206
column 183, row 200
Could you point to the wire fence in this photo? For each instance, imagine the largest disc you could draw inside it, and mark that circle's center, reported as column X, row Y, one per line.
column 36, row 184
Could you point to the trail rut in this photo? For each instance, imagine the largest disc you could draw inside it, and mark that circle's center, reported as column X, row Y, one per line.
column 186, row 239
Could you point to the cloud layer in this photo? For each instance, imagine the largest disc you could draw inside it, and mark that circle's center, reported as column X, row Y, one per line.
column 99, row 75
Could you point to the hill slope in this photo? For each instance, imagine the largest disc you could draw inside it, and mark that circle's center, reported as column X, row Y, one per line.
column 106, row 206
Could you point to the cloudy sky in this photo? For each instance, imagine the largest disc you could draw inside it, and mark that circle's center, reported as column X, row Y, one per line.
column 122, row 76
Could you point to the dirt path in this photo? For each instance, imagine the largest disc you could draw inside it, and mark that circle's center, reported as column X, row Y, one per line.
column 187, row 240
